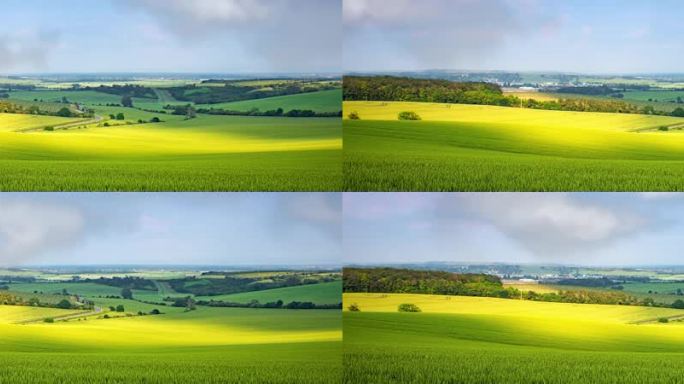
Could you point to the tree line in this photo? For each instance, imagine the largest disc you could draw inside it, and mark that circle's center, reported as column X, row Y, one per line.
column 393, row 280
column 391, row 88
column 273, row 304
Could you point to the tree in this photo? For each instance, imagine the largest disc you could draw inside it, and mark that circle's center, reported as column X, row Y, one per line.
column 127, row 294
column 408, row 308
column 64, row 112
column 354, row 115
column 408, row 115
column 119, row 308
column 120, row 116
column 154, row 312
column 127, row 101
column 154, row 120
column 678, row 112
column 678, row 304
column 354, row 308
column 64, row 304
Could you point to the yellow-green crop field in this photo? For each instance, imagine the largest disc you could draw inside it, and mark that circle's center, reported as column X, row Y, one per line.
column 459, row 339
column 207, row 345
column 486, row 148
column 207, row 153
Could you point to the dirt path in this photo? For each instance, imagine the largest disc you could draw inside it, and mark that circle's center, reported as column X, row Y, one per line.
column 95, row 311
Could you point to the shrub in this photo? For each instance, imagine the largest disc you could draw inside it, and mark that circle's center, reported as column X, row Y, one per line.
column 678, row 304
column 408, row 308
column 663, row 320
column 354, row 308
column 49, row 320
column 354, row 116
column 49, row 129
column 408, row 115
column 663, row 128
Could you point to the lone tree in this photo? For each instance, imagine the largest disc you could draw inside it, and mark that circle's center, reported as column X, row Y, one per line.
column 120, row 308
column 354, row 308
column 127, row 101
column 408, row 115
column 127, row 294
column 120, row 116
column 408, row 308
column 64, row 304
column 678, row 304
column 354, row 116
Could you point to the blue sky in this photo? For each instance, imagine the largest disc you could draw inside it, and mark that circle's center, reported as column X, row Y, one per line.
column 170, row 36
column 170, row 228
column 607, row 36
column 568, row 228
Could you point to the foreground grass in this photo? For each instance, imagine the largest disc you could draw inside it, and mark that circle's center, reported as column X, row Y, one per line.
column 212, row 345
column 210, row 153
column 484, row 148
column 480, row 340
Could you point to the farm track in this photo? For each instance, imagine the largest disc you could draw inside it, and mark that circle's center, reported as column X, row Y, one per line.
column 94, row 120
column 96, row 311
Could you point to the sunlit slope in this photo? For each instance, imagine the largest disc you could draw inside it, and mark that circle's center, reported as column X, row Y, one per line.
column 202, row 327
column 616, row 314
column 208, row 153
column 202, row 136
column 487, row 148
column 477, row 340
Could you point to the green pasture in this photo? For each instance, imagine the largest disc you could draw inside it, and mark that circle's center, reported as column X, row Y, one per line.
column 480, row 340
column 208, row 345
column 485, row 148
column 321, row 101
column 322, row 293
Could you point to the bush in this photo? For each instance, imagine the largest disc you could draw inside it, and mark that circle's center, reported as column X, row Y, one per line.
column 678, row 304
column 663, row 320
column 663, row 128
column 408, row 308
column 49, row 320
column 354, row 116
column 354, row 308
column 49, row 129
column 408, row 115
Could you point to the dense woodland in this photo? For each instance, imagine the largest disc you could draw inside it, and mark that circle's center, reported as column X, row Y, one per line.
column 390, row 280
column 230, row 92
column 389, row 88
column 125, row 282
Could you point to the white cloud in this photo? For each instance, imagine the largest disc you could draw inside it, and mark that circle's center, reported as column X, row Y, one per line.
column 27, row 49
column 28, row 228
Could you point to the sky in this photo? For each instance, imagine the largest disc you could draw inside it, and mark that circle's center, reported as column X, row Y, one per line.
column 587, row 36
column 170, row 228
column 602, row 229
column 225, row 36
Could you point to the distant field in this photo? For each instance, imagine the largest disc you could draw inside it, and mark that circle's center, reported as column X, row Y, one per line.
column 209, row 345
column 486, row 148
column 484, row 340
column 321, row 101
column 323, row 293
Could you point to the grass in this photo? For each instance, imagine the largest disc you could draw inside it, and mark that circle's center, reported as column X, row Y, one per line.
column 209, row 153
column 321, row 101
column 209, row 345
column 322, row 293
column 485, row 148
column 484, row 340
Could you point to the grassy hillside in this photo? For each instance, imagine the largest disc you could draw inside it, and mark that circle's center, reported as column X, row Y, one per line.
column 206, row 345
column 14, row 122
column 206, row 153
column 486, row 148
column 475, row 340
column 321, row 101
column 322, row 293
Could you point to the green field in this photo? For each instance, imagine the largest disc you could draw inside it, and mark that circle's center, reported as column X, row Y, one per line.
column 485, row 340
column 208, row 345
column 322, row 293
column 321, row 101
column 487, row 148
column 208, row 153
